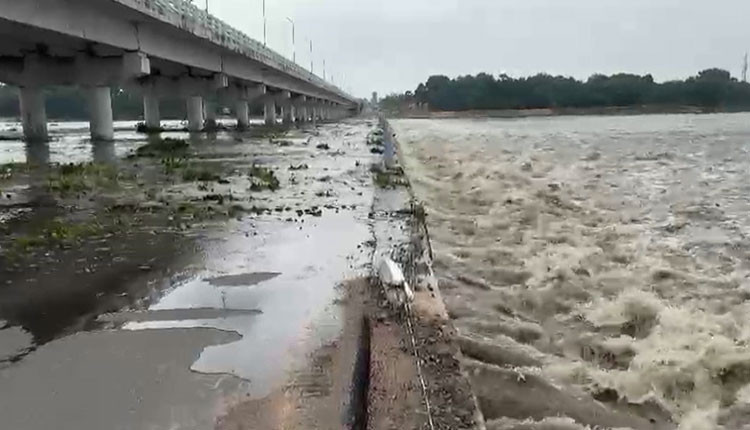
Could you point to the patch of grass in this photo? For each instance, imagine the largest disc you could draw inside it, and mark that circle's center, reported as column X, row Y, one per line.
column 200, row 174
column 172, row 164
column 7, row 170
column 389, row 178
column 80, row 177
column 163, row 147
column 218, row 198
column 269, row 131
column 376, row 137
column 263, row 178
column 55, row 233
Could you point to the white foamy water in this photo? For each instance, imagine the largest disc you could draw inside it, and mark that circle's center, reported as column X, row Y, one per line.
column 612, row 252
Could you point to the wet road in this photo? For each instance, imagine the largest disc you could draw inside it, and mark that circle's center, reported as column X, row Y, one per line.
column 236, row 308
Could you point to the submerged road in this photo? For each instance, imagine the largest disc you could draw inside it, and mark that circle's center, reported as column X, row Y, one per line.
column 213, row 323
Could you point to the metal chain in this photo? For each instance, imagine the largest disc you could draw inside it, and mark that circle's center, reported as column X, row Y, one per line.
column 419, row 365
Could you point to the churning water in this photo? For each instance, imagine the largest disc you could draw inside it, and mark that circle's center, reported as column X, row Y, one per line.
column 613, row 253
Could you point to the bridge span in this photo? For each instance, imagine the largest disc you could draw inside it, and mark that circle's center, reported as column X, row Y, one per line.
column 162, row 47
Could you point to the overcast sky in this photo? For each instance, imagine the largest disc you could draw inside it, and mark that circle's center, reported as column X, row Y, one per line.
column 392, row 45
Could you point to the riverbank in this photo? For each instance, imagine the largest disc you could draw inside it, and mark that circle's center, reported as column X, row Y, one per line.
column 215, row 281
column 184, row 275
column 551, row 112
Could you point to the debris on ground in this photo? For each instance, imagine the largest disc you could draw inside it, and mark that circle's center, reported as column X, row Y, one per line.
column 394, row 284
column 388, row 178
column 163, row 147
column 263, row 178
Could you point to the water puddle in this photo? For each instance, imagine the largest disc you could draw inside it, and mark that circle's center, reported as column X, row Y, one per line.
column 242, row 280
column 295, row 298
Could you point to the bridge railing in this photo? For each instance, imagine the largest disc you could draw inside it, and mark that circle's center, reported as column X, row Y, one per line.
column 189, row 17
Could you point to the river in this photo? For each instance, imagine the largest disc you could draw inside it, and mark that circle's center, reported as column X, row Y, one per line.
column 609, row 254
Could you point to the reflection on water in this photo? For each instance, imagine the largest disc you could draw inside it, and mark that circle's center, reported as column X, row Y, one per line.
column 70, row 142
column 275, row 340
column 613, row 250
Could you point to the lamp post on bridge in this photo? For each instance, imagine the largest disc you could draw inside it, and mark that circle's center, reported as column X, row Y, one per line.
column 264, row 22
column 294, row 46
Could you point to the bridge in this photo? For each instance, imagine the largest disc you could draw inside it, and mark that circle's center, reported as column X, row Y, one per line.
column 164, row 48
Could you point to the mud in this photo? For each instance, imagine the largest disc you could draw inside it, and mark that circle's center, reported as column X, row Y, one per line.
column 326, row 393
column 191, row 278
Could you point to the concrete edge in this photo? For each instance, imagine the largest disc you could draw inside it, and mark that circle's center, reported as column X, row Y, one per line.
column 428, row 305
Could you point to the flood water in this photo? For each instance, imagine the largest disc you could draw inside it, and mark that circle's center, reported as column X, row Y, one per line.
column 211, row 294
column 610, row 253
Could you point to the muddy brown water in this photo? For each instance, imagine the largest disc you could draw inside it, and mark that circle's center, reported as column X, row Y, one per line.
column 596, row 267
column 254, row 273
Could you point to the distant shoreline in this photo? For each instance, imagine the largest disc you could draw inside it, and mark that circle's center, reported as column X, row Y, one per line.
column 550, row 112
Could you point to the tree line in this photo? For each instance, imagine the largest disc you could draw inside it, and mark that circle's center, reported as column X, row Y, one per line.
column 711, row 89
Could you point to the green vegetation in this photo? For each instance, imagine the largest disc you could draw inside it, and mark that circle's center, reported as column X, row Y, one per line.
column 9, row 169
column 55, row 232
column 263, row 178
column 75, row 178
column 389, row 178
column 163, row 148
column 375, row 137
column 712, row 89
column 270, row 131
column 172, row 164
column 200, row 174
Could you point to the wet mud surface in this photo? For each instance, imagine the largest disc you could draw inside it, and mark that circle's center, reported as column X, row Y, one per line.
column 595, row 268
column 184, row 279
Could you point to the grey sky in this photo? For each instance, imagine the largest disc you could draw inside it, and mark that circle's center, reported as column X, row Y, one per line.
column 392, row 45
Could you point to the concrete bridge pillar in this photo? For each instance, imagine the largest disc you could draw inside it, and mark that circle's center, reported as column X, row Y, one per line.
column 270, row 111
column 299, row 109
column 33, row 114
column 37, row 153
column 289, row 114
column 103, row 152
column 151, row 114
column 210, row 115
column 195, row 113
column 241, row 111
column 101, row 123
